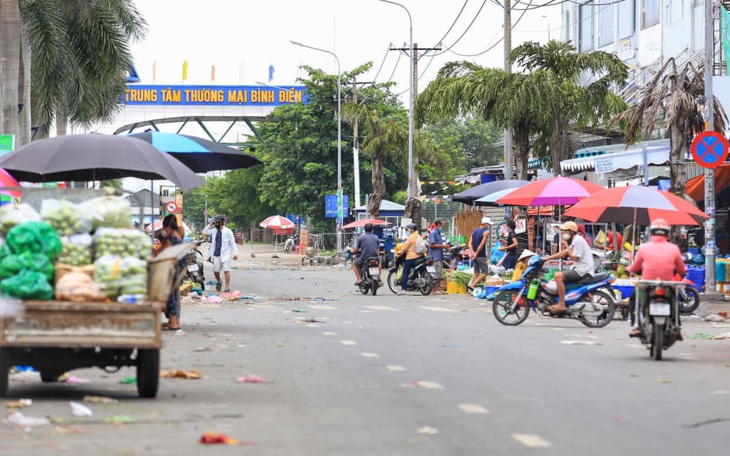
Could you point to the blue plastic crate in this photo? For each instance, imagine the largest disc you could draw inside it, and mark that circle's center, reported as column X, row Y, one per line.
column 625, row 290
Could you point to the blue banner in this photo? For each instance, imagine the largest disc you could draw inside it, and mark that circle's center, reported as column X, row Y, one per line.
column 213, row 95
column 330, row 205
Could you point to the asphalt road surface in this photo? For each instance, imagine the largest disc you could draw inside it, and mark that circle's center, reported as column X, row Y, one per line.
column 347, row 374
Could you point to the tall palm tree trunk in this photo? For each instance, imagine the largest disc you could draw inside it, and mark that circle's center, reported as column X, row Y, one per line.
column 378, row 181
column 676, row 165
column 521, row 137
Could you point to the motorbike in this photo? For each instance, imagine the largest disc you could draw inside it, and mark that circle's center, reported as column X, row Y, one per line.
column 455, row 255
column 291, row 243
column 589, row 300
column 688, row 298
column 370, row 274
column 657, row 313
column 421, row 278
column 193, row 263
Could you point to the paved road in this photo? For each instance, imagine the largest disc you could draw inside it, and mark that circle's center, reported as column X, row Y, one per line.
column 347, row 374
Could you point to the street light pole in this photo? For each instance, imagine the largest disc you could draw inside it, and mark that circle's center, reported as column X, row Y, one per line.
column 340, row 212
column 548, row 21
column 411, row 181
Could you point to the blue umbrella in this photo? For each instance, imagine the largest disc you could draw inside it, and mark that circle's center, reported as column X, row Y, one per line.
column 200, row 155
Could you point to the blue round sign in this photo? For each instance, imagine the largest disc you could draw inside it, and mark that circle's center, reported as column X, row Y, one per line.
column 709, row 149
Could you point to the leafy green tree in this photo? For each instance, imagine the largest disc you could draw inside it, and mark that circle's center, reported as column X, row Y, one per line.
column 573, row 92
column 73, row 57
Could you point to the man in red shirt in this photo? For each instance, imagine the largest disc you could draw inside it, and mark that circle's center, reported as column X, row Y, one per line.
column 656, row 260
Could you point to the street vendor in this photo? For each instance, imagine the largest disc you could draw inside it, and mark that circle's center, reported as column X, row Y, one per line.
column 168, row 236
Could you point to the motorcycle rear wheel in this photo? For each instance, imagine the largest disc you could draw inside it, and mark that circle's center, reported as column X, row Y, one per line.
column 374, row 286
column 502, row 305
column 690, row 302
column 657, row 342
column 428, row 287
column 605, row 299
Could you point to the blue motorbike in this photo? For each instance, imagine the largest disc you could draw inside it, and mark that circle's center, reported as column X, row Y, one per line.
column 590, row 300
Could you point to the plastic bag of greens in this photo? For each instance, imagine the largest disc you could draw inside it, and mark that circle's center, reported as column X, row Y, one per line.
column 122, row 242
column 65, row 217
column 111, row 212
column 15, row 263
column 35, row 237
column 27, row 285
column 76, row 250
column 14, row 215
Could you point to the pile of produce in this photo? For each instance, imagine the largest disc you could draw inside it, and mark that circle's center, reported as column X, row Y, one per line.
column 91, row 246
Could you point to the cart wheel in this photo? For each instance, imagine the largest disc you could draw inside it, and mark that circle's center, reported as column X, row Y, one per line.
column 4, row 371
column 148, row 372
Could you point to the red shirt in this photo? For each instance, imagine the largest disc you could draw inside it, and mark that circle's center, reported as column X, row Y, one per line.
column 658, row 260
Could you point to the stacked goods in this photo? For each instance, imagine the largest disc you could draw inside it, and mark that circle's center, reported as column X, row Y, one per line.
column 122, row 242
column 121, row 275
column 65, row 217
column 78, row 287
column 26, row 261
column 110, row 212
column 76, row 250
column 12, row 216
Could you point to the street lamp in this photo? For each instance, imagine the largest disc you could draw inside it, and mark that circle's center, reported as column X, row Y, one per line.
column 548, row 21
column 411, row 183
column 340, row 214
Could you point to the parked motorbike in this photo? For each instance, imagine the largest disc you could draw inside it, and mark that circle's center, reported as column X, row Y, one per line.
column 370, row 275
column 193, row 264
column 455, row 255
column 291, row 243
column 657, row 313
column 590, row 300
column 421, row 278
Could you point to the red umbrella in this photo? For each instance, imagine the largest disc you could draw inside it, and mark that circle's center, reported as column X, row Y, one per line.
column 277, row 222
column 6, row 180
column 556, row 191
column 640, row 204
column 365, row 221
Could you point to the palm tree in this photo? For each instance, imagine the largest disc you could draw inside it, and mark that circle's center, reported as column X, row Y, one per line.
column 671, row 100
column 73, row 56
column 506, row 99
column 574, row 91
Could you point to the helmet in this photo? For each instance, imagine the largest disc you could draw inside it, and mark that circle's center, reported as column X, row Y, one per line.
column 412, row 227
column 569, row 226
column 218, row 219
column 659, row 226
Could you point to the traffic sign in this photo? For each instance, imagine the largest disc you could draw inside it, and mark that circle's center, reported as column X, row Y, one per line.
column 171, row 207
column 709, row 149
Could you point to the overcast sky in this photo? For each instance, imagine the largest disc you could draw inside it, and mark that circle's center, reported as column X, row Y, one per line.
column 242, row 38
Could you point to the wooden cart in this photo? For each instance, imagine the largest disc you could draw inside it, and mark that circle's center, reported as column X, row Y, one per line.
column 55, row 336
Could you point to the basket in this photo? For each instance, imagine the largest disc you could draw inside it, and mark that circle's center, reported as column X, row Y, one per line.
column 163, row 275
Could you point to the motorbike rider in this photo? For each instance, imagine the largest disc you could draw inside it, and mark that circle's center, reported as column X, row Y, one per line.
column 369, row 247
column 577, row 251
column 657, row 259
column 408, row 249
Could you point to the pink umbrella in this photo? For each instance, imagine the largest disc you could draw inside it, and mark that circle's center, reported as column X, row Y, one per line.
column 556, row 191
column 6, row 180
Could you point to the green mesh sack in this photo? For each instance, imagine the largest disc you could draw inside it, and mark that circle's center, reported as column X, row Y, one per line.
column 27, row 285
column 34, row 237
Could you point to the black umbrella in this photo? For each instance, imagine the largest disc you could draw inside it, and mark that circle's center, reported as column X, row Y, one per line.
column 480, row 191
column 94, row 157
column 200, row 155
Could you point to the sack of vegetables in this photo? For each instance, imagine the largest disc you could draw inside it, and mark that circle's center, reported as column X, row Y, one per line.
column 122, row 242
column 119, row 275
column 26, row 261
column 65, row 217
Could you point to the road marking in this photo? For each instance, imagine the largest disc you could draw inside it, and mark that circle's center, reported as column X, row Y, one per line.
column 262, row 306
column 348, row 342
column 428, row 384
column 437, row 309
column 473, row 408
column 396, row 368
column 379, row 308
column 312, row 325
column 531, row 440
column 329, row 333
column 370, row 355
column 322, row 307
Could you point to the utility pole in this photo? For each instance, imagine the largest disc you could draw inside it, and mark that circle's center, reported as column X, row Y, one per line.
column 355, row 149
column 508, row 70
column 414, row 186
column 709, row 249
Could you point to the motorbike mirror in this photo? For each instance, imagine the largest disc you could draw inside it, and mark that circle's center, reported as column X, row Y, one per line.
column 687, row 257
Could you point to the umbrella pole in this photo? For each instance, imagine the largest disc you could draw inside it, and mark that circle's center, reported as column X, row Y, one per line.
column 276, row 236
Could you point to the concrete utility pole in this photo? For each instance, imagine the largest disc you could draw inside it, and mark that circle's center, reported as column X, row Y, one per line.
column 507, row 69
column 414, row 186
column 709, row 250
column 355, row 149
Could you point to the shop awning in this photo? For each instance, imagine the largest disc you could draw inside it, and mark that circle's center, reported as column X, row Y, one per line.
column 695, row 187
column 603, row 161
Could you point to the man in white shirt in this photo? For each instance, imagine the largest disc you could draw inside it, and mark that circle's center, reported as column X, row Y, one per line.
column 223, row 248
column 580, row 253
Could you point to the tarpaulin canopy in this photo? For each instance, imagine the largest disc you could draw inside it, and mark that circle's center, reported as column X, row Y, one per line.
column 695, row 187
